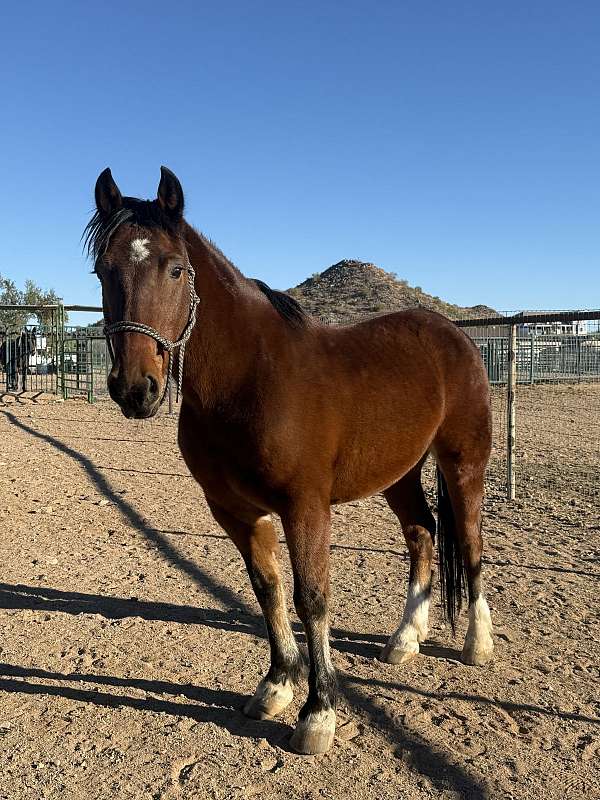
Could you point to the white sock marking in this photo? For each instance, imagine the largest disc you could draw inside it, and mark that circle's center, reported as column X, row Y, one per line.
column 319, row 721
column 415, row 621
column 416, row 611
column 480, row 625
column 479, row 645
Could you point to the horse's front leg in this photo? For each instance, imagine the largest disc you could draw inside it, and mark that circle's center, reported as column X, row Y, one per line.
column 256, row 539
column 307, row 530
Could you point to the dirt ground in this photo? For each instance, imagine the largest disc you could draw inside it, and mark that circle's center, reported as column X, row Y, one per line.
column 130, row 636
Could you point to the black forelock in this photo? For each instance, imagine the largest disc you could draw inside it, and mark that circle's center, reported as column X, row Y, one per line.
column 145, row 213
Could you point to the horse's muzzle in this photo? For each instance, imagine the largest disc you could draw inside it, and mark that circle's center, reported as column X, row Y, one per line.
column 138, row 400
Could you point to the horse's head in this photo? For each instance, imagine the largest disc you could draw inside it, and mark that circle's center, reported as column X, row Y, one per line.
column 141, row 261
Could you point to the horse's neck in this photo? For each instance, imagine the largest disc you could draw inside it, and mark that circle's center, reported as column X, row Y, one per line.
column 225, row 341
column 215, row 275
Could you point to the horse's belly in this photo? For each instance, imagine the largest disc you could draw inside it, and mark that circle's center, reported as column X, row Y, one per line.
column 351, row 482
column 377, row 456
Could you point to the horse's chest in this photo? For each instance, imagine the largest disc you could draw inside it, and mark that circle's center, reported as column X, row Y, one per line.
column 227, row 459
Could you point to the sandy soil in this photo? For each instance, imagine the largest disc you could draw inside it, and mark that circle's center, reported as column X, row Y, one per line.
column 130, row 636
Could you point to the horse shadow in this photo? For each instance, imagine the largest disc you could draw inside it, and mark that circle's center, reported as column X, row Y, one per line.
column 218, row 706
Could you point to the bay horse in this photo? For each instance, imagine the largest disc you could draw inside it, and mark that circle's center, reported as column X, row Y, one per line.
column 283, row 415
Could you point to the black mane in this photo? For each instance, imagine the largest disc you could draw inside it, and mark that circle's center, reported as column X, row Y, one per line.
column 286, row 306
column 145, row 213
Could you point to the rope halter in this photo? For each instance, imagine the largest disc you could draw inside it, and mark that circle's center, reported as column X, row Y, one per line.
column 166, row 344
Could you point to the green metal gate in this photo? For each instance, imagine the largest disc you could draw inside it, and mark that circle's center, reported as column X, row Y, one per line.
column 84, row 362
column 52, row 356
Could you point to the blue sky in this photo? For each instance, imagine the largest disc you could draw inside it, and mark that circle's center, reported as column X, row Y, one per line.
column 456, row 144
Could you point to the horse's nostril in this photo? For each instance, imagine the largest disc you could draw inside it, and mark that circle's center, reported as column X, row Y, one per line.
column 152, row 385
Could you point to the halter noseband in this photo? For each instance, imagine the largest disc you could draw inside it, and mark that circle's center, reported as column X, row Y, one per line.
column 166, row 344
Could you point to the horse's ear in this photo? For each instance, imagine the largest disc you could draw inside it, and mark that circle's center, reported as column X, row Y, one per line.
column 108, row 196
column 170, row 194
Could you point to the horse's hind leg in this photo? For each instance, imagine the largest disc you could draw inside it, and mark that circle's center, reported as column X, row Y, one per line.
column 256, row 539
column 464, row 471
column 407, row 501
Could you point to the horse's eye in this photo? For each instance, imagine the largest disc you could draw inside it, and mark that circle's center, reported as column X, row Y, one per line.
column 176, row 272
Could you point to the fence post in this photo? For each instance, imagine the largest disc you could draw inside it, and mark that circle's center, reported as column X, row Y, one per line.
column 511, row 386
column 90, row 363
column 79, row 357
column 53, row 348
column 60, row 341
column 532, row 359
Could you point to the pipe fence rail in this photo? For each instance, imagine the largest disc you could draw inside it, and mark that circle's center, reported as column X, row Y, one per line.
column 543, row 367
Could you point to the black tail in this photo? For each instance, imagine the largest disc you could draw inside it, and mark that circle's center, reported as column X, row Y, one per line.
column 452, row 570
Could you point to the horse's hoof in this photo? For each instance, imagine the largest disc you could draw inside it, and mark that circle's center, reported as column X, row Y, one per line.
column 399, row 654
column 476, row 654
column 314, row 734
column 268, row 700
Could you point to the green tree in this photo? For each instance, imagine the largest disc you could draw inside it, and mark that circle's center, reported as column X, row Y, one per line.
column 10, row 295
column 30, row 295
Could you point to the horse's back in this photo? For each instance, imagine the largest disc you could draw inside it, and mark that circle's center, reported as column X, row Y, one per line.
column 413, row 351
column 414, row 327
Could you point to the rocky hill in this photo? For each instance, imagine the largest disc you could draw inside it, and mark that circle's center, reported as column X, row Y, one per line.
column 351, row 290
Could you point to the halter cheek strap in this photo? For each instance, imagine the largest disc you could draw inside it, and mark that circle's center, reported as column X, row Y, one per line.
column 166, row 344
